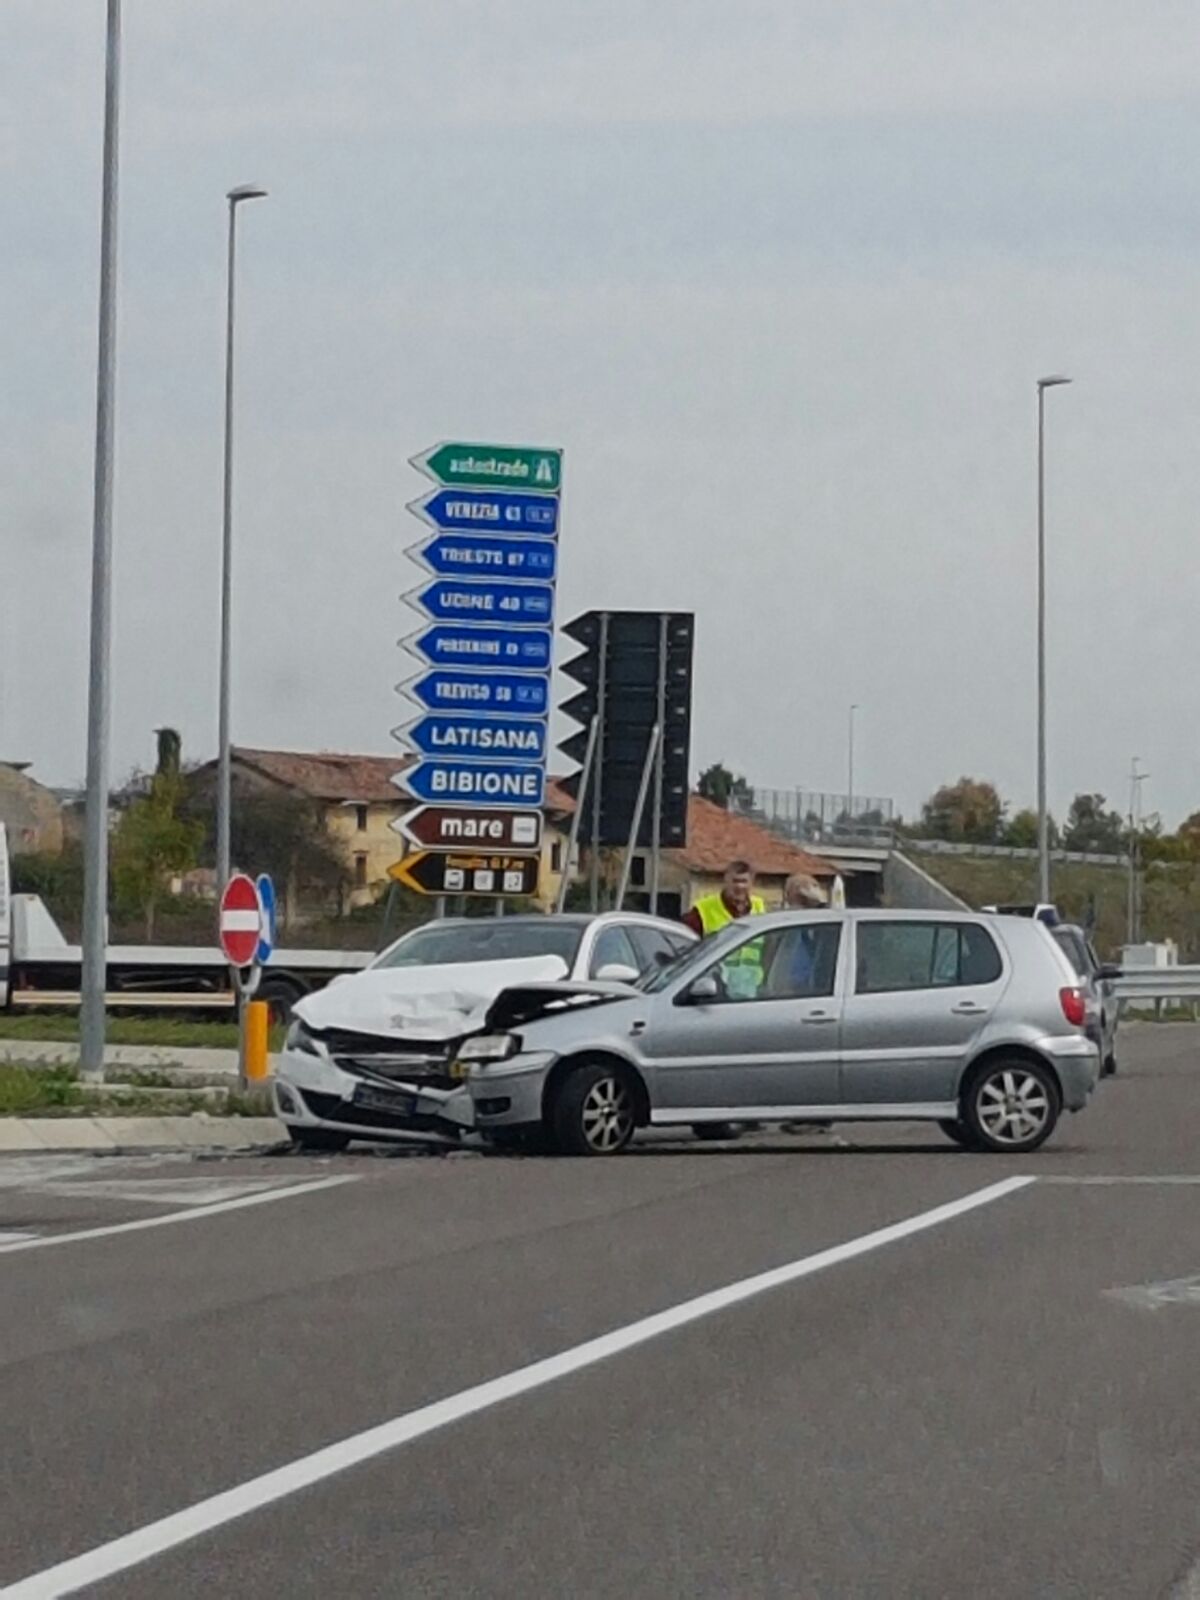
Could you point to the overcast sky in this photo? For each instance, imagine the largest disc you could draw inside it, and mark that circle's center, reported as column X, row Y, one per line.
column 778, row 274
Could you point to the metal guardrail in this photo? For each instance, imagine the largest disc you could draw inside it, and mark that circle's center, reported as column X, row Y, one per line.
column 948, row 847
column 1158, row 986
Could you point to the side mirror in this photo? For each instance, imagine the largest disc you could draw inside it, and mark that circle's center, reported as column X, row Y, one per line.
column 705, row 988
column 617, row 972
column 1109, row 974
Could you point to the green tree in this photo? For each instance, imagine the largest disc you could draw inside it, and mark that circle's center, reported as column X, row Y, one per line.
column 277, row 831
column 718, row 784
column 1092, row 828
column 967, row 812
column 153, row 838
column 1020, row 832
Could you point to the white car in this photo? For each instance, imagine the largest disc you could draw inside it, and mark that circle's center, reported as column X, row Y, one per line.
column 370, row 1056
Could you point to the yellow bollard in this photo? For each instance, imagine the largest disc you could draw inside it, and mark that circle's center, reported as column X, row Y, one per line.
column 258, row 1024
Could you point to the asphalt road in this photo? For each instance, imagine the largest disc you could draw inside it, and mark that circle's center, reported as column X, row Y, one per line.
column 965, row 1405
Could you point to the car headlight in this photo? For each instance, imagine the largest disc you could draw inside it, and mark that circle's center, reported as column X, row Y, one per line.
column 489, row 1047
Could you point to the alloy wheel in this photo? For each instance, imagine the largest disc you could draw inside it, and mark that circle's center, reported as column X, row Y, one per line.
column 607, row 1114
column 1013, row 1106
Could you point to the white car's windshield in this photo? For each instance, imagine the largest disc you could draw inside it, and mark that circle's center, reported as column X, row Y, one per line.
column 694, row 957
column 484, row 939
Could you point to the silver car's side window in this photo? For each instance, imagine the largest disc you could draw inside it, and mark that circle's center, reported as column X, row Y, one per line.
column 796, row 963
column 923, row 955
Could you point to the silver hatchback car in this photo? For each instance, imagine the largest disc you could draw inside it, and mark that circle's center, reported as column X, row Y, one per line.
column 975, row 1022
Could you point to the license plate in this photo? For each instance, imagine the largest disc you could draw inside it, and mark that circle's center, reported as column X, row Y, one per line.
column 373, row 1099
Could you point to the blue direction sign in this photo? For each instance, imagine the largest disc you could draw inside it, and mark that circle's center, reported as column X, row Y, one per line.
column 489, row 511
column 462, row 555
column 451, row 600
column 517, row 649
column 474, row 783
column 483, row 693
column 266, row 901
column 479, row 738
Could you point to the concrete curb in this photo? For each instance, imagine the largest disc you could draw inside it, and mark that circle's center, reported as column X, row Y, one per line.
column 163, row 1057
column 115, row 1134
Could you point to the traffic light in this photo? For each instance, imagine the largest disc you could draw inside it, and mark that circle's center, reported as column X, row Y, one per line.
column 636, row 668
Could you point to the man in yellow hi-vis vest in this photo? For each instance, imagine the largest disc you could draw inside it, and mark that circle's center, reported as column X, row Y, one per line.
column 743, row 971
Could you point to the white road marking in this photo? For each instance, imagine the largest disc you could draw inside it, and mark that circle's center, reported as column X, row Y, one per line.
column 160, row 1191
column 9, row 1237
column 1165, row 1178
column 156, row 1537
column 1153, row 1296
column 195, row 1214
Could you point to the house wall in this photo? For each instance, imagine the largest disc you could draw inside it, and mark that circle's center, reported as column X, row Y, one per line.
column 31, row 814
column 366, row 841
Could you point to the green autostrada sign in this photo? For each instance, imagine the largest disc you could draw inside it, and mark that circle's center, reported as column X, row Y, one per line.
column 489, row 466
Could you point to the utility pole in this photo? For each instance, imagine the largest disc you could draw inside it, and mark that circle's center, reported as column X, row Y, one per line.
column 235, row 197
column 95, row 886
column 1042, row 814
column 1132, row 907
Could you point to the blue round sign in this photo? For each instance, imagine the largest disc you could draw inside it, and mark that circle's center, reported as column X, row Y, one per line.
column 266, row 937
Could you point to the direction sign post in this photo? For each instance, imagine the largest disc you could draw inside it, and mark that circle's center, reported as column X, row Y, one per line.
column 488, row 511
column 467, row 872
column 266, row 901
column 481, row 555
column 484, row 686
column 492, row 466
column 484, row 693
column 444, row 828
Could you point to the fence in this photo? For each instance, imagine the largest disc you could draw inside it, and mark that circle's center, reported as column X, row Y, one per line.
column 814, row 817
column 1158, row 986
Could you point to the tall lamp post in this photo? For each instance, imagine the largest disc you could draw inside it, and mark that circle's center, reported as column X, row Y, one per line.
column 850, row 768
column 1042, row 815
column 95, row 890
column 246, row 191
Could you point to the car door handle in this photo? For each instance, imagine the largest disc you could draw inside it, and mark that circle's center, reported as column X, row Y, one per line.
column 818, row 1016
column 969, row 1009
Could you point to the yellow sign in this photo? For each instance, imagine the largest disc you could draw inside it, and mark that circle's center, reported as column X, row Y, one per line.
column 467, row 872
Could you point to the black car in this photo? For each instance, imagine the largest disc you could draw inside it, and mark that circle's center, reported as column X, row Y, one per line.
column 1099, row 980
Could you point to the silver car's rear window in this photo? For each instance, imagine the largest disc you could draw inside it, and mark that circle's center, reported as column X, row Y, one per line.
column 924, row 955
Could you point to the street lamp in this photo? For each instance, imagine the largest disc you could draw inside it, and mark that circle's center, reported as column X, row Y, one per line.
column 94, row 938
column 1043, row 818
column 850, row 769
column 245, row 191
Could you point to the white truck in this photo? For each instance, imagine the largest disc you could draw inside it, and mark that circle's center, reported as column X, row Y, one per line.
column 39, row 968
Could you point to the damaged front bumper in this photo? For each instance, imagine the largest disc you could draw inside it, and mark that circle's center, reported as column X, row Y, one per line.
column 312, row 1091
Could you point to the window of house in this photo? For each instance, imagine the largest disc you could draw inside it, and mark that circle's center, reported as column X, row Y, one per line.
column 360, row 872
column 637, row 872
column 556, row 856
column 360, row 818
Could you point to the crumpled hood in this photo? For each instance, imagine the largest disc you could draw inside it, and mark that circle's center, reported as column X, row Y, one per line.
column 428, row 1003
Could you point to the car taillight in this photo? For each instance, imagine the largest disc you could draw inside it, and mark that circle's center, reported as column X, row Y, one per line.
column 1073, row 1006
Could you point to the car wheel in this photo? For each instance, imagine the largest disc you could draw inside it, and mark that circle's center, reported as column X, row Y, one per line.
column 710, row 1132
column 1011, row 1105
column 960, row 1133
column 594, row 1112
column 280, row 994
column 1109, row 1068
column 319, row 1138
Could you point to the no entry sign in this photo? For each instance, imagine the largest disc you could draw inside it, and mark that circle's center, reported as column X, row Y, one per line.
column 240, row 921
